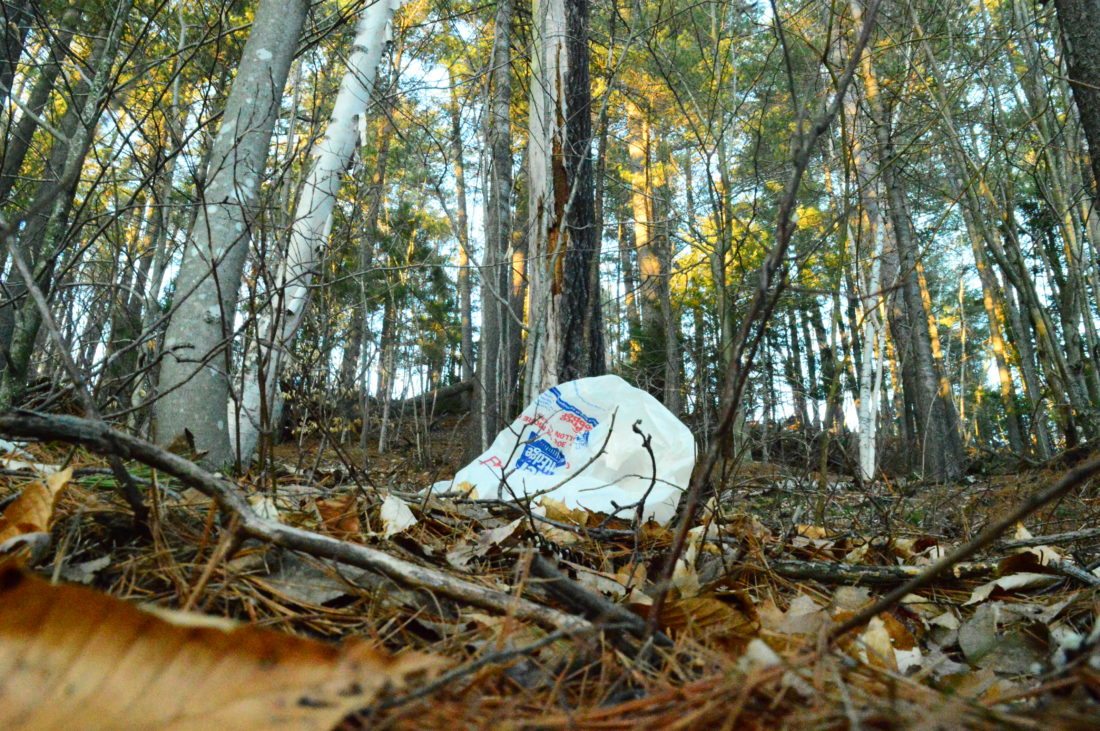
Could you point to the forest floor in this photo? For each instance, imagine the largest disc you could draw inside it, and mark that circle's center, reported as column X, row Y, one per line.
column 1004, row 641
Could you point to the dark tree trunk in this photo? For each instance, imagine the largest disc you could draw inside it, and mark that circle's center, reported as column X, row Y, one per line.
column 496, row 263
column 1080, row 21
column 582, row 329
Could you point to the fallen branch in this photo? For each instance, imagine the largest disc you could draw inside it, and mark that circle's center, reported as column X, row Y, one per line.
column 1052, row 539
column 592, row 605
column 856, row 574
column 98, row 437
column 1074, row 572
column 992, row 532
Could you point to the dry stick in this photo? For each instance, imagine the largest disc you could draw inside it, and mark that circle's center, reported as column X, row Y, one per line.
column 100, row 438
column 126, row 483
column 1053, row 538
column 593, row 605
column 760, row 309
column 1065, row 568
column 865, row 575
column 992, row 532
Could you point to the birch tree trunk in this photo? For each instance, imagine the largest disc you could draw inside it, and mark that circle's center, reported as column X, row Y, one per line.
column 867, row 265
column 310, row 228
column 194, row 374
column 465, row 286
column 940, row 445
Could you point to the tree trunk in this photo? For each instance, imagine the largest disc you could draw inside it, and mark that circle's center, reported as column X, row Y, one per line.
column 311, row 226
column 496, row 262
column 564, row 341
column 1080, row 23
column 940, row 445
column 465, row 288
column 194, row 374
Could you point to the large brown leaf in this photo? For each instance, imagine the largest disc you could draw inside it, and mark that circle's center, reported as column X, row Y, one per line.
column 71, row 657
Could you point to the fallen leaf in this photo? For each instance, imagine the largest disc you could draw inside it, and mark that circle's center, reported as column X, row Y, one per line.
column 264, row 506
column 978, row 635
column 1010, row 583
column 1021, row 648
column 71, row 657
column 396, row 516
column 599, row 581
column 875, row 646
column 758, row 656
column 711, row 618
column 460, row 556
column 559, row 511
column 803, row 617
column 340, row 516
column 851, row 598
column 32, row 511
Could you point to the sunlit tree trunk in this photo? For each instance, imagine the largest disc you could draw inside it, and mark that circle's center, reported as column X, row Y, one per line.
column 465, row 286
column 311, row 226
column 940, row 444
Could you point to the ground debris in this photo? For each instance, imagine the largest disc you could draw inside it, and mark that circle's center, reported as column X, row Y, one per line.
column 1009, row 639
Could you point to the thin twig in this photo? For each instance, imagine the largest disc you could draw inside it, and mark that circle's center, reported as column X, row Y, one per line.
column 760, row 309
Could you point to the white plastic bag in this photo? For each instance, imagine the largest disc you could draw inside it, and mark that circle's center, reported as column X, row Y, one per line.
column 551, row 450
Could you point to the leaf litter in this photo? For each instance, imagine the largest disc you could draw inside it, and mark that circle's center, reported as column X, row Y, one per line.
column 1010, row 640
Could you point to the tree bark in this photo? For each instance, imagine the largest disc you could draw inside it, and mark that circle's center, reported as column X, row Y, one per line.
column 1080, row 23
column 194, row 375
column 496, row 265
column 564, row 341
column 940, row 447
column 465, row 286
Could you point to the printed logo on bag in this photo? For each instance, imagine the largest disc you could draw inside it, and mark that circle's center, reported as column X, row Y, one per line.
column 539, row 456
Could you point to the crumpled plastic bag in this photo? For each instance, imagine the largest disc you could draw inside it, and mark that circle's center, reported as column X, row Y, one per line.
column 553, row 449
